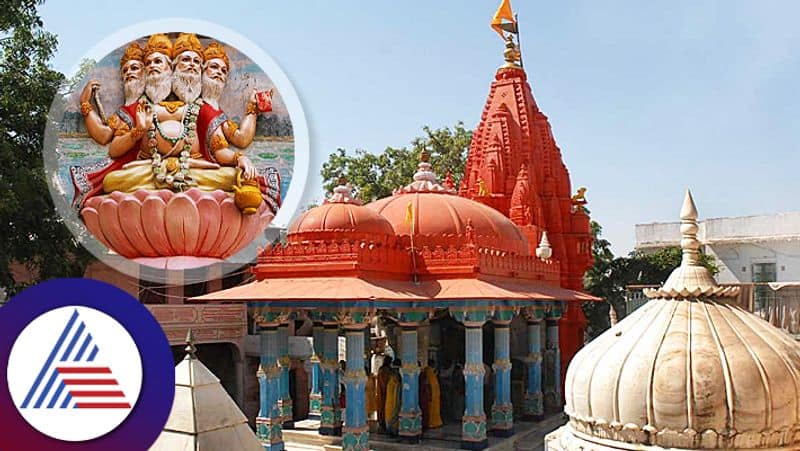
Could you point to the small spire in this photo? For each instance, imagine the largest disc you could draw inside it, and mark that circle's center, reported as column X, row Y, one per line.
column 425, row 156
column 544, row 251
column 612, row 314
column 689, row 244
column 342, row 193
column 190, row 349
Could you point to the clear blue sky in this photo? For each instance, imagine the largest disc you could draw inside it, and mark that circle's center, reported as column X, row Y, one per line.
column 645, row 98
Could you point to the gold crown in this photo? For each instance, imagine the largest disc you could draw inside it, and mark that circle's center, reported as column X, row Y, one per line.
column 158, row 43
column 133, row 52
column 216, row 50
column 187, row 42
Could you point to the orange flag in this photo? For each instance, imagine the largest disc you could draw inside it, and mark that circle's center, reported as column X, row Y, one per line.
column 504, row 12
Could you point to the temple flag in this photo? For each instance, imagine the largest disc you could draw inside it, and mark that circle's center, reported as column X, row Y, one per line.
column 504, row 12
column 409, row 214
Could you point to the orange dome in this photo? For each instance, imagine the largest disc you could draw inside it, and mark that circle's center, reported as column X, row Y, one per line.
column 441, row 214
column 341, row 216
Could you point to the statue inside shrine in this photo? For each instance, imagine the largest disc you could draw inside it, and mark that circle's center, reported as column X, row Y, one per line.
column 171, row 134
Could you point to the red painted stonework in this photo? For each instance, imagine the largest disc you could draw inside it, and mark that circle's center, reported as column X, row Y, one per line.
column 514, row 156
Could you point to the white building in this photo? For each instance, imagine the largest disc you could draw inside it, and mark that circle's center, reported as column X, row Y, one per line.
column 748, row 248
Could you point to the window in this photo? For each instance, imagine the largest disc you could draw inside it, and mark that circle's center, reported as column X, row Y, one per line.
column 763, row 294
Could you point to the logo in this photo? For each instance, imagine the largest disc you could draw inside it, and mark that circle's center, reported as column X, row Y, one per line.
column 60, row 352
column 88, row 367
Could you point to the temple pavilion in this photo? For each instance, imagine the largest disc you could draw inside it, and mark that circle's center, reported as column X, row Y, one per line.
column 508, row 246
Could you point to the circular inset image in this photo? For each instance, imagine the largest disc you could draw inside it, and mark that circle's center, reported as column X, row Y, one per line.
column 175, row 151
column 87, row 367
column 78, row 364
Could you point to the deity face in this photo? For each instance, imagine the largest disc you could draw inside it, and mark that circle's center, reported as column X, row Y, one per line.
column 157, row 63
column 132, row 74
column 158, row 72
column 186, row 83
column 214, row 77
column 188, row 62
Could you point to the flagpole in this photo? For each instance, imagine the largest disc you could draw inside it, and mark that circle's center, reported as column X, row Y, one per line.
column 519, row 43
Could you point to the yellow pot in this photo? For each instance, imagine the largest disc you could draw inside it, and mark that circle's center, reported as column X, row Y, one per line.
column 246, row 195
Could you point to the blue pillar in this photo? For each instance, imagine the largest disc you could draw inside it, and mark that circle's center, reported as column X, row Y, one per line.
column 502, row 409
column 331, row 413
column 315, row 398
column 284, row 363
column 410, row 413
column 473, row 424
column 534, row 406
column 268, row 422
column 552, row 359
column 356, row 430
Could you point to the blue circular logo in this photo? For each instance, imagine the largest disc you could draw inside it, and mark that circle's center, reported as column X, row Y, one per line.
column 87, row 367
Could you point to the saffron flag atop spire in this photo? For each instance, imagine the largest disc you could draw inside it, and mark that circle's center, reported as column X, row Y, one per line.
column 504, row 12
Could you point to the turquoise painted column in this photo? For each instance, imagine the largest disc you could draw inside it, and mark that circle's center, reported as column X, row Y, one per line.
column 284, row 363
column 552, row 361
column 356, row 431
column 331, row 413
column 502, row 409
column 315, row 398
column 534, row 405
column 410, row 413
column 268, row 422
column 473, row 423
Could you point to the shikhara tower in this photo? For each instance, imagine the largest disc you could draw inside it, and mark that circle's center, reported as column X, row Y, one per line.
column 515, row 166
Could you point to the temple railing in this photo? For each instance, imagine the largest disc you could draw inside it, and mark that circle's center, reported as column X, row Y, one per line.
column 779, row 304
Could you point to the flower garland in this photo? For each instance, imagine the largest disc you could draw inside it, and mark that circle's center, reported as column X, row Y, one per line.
column 181, row 180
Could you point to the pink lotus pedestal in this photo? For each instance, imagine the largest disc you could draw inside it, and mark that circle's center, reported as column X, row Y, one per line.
column 173, row 230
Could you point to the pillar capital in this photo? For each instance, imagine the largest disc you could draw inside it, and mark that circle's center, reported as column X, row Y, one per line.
column 472, row 318
column 266, row 318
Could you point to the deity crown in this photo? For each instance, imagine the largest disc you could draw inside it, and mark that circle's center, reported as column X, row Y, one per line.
column 133, row 52
column 187, row 42
column 216, row 50
column 158, row 43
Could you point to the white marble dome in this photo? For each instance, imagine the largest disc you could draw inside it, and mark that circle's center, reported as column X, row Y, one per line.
column 688, row 370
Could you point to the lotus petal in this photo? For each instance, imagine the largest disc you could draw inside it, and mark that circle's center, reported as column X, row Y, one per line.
column 130, row 214
column 92, row 220
column 183, row 224
column 153, row 213
column 210, row 223
column 113, row 230
column 229, row 229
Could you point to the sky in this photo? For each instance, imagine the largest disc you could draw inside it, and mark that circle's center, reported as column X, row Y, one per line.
column 645, row 98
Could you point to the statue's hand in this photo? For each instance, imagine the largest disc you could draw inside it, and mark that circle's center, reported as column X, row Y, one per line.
column 202, row 164
column 252, row 98
column 144, row 115
column 86, row 94
column 247, row 167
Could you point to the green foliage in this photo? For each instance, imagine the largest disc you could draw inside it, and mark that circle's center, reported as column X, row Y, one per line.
column 376, row 176
column 33, row 234
column 609, row 277
column 72, row 84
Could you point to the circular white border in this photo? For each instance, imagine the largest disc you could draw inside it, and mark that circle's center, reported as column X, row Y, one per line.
column 302, row 148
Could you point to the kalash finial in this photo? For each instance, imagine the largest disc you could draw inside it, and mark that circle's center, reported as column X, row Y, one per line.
column 690, row 279
column 343, row 193
column 511, row 54
column 190, row 349
column 425, row 180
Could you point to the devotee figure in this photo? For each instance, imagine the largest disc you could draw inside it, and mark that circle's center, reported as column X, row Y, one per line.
column 393, row 390
column 434, row 418
column 384, row 374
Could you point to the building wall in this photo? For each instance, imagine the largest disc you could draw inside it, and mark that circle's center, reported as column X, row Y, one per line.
column 738, row 259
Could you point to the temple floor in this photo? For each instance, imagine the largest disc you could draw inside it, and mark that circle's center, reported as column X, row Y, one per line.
column 529, row 436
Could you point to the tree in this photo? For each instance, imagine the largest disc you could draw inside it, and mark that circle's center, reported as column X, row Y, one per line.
column 33, row 233
column 376, row 176
column 609, row 277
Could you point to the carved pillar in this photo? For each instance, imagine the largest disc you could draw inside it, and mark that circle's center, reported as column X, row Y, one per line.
column 285, row 398
column 410, row 413
column 268, row 422
column 502, row 409
column 356, row 430
column 473, row 423
column 552, row 361
column 534, row 403
column 331, row 413
column 315, row 399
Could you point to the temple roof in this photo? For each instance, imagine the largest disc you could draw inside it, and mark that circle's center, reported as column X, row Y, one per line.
column 690, row 369
column 203, row 416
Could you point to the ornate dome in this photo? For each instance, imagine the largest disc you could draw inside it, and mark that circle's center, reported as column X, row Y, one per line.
column 341, row 213
column 436, row 211
column 690, row 369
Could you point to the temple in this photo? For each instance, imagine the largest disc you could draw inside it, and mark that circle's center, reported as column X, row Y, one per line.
column 486, row 276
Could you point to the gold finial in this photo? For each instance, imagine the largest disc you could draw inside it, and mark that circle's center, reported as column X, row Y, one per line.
column 425, row 156
column 190, row 348
column 512, row 54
